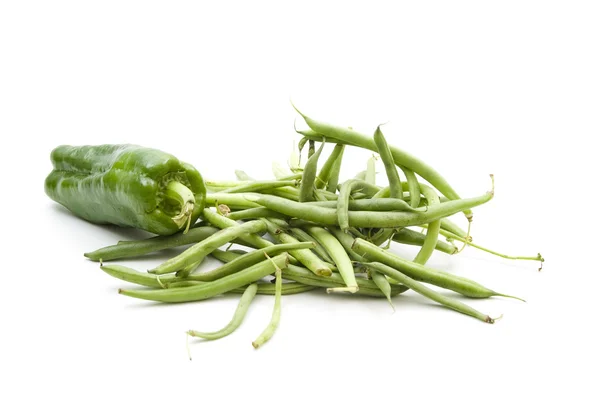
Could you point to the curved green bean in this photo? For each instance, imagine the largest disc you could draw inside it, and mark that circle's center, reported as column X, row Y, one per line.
column 340, row 257
column 227, row 255
column 248, row 259
column 388, row 162
column 138, row 277
column 383, row 284
column 191, row 258
column 307, row 185
column 416, row 271
column 212, row 289
column 408, row 236
column 305, row 256
column 254, row 213
column 260, row 186
column 433, row 230
column 327, row 168
column 334, row 176
column 371, row 172
column 432, row 294
column 136, row 248
column 236, row 321
column 304, row 236
column 345, row 191
column 367, row 219
column 414, row 188
column 366, row 287
column 266, row 335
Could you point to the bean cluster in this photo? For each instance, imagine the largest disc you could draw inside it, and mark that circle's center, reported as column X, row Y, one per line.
column 321, row 234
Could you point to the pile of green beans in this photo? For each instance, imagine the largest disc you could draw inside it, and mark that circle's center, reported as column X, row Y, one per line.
column 306, row 230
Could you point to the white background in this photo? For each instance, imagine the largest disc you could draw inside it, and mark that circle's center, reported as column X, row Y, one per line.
column 472, row 87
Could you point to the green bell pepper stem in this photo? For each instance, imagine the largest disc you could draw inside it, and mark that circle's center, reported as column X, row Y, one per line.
column 184, row 196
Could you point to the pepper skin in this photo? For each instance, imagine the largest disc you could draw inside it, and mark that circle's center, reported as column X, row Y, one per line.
column 123, row 185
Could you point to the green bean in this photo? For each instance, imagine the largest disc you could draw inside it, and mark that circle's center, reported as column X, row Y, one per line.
column 285, row 192
column 340, row 257
column 382, row 236
column 187, row 261
column 367, row 219
column 230, row 199
column 140, row 247
column 254, row 213
column 259, row 186
column 334, row 176
column 413, row 186
column 327, row 168
column 450, row 226
column 366, row 287
column 212, row 289
column 288, row 288
column 304, row 236
column 292, row 177
column 242, row 176
column 307, row 185
column 264, row 288
column 305, row 256
column 433, row 230
column 432, row 294
column 453, row 236
column 401, row 158
column 388, row 162
column 346, row 240
column 346, row 189
column 383, row 284
column 227, row 255
column 311, row 148
column 222, row 222
column 371, row 205
column 270, row 329
column 139, row 278
column 416, row 271
column 248, row 259
column 236, row 321
column 408, row 236
column 370, row 176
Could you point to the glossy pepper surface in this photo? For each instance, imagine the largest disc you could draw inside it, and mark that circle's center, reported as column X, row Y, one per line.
column 126, row 185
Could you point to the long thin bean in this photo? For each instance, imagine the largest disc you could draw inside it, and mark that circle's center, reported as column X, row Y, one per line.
column 325, row 173
column 345, row 191
column 305, row 256
column 408, row 236
column 334, row 176
column 432, row 294
column 453, row 236
column 246, row 260
column 157, row 243
column 413, row 186
column 383, row 284
column 190, row 258
column 260, row 186
column 367, row 219
column 304, row 236
column 212, row 289
column 370, row 176
column 340, row 257
column 138, row 277
column 266, row 335
column 433, row 230
column 254, row 213
column 236, row 321
column 388, row 162
column 366, row 287
column 416, row 271
column 227, row 255
column 307, row 185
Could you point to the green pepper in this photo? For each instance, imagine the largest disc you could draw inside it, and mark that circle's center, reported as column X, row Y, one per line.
column 126, row 185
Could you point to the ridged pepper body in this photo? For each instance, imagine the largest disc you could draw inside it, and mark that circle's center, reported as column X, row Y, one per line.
column 122, row 185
